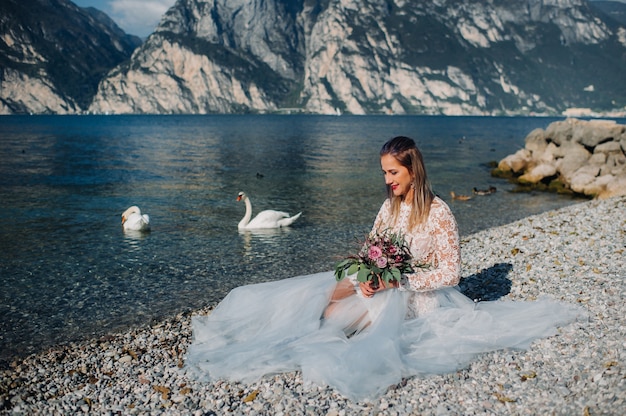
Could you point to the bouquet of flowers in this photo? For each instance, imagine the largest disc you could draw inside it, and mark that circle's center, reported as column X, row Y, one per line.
column 384, row 255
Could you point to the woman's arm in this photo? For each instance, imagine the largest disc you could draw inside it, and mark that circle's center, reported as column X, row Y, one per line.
column 445, row 258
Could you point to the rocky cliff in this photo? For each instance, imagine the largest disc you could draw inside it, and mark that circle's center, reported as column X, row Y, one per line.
column 483, row 57
column 53, row 54
column 392, row 57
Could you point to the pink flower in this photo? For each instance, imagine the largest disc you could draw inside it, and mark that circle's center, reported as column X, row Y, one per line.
column 374, row 252
column 381, row 262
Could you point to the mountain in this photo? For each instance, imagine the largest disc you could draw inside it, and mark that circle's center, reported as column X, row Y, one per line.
column 482, row 57
column 53, row 54
column 376, row 56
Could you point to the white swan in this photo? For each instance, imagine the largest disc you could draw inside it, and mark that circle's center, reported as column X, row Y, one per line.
column 133, row 220
column 264, row 219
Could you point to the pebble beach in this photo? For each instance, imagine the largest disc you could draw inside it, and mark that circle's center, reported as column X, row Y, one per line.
column 575, row 254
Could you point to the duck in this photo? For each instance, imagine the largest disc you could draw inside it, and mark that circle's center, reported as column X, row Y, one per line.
column 264, row 219
column 460, row 197
column 134, row 220
column 491, row 190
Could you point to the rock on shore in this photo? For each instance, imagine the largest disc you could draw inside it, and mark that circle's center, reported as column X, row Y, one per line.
column 576, row 254
column 588, row 157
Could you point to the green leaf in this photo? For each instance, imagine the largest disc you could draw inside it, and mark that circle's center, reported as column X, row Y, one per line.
column 339, row 274
column 363, row 275
column 343, row 264
column 353, row 268
column 396, row 274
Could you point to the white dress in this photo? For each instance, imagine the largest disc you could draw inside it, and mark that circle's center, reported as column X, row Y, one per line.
column 426, row 326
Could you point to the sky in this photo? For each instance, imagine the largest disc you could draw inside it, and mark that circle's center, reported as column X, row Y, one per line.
column 137, row 17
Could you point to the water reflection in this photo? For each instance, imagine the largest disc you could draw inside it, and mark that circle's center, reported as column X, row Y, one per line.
column 270, row 238
column 134, row 238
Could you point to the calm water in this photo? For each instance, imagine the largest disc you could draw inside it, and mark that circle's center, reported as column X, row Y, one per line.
column 69, row 272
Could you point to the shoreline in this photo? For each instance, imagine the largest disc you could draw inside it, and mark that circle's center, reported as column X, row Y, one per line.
column 574, row 254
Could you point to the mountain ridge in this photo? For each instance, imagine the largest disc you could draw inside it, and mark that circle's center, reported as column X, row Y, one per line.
column 51, row 61
column 389, row 57
column 452, row 57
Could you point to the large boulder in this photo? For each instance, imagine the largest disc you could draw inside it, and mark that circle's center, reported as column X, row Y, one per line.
column 586, row 156
column 573, row 157
column 538, row 173
column 516, row 162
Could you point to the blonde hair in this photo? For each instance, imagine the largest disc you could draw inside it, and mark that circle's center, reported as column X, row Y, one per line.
column 404, row 150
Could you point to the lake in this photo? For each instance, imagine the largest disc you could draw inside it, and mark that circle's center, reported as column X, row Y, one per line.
column 69, row 272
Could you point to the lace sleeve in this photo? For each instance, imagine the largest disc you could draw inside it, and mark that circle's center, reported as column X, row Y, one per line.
column 443, row 252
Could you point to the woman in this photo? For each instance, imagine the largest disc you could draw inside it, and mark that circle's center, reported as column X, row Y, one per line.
column 426, row 222
column 360, row 337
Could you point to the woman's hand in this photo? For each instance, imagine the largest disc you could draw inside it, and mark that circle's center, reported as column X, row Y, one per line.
column 369, row 291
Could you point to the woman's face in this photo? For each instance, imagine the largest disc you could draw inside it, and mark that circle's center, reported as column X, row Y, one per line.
column 397, row 177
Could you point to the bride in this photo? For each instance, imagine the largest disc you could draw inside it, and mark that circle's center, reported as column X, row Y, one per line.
column 362, row 337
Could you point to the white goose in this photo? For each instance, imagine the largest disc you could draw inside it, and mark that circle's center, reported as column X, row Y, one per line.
column 133, row 220
column 264, row 219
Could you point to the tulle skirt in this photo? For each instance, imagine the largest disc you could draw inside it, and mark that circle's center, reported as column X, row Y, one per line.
column 366, row 344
